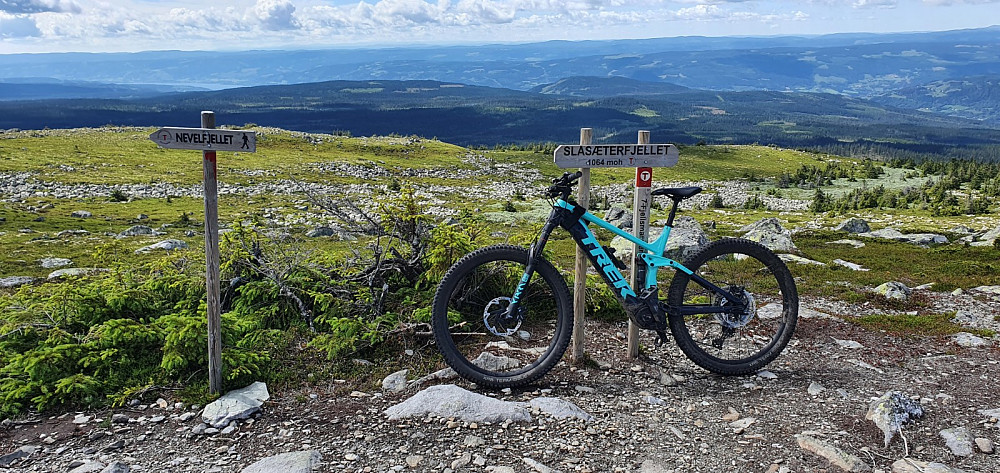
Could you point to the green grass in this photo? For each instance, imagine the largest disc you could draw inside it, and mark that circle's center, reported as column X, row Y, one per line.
column 125, row 155
column 912, row 324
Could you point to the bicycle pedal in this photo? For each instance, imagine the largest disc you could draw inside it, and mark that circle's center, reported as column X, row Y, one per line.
column 661, row 338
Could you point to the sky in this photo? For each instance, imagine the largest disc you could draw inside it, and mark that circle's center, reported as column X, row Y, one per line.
column 138, row 25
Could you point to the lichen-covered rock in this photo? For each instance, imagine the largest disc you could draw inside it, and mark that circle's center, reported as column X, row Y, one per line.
column 770, row 233
column 853, row 225
column 686, row 238
column 891, row 411
column 893, row 290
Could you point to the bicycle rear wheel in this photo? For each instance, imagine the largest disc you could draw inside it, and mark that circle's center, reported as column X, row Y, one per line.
column 734, row 343
column 475, row 339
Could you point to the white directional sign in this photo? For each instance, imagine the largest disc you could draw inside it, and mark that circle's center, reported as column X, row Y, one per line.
column 616, row 156
column 209, row 139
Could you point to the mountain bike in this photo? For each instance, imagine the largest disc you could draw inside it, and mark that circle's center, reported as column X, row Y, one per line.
column 502, row 315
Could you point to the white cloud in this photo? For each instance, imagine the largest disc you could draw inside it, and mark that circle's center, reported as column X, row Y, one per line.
column 276, row 14
column 39, row 6
column 17, row 26
column 874, row 4
column 188, row 24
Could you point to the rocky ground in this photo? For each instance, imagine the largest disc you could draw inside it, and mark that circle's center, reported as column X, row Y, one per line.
column 656, row 414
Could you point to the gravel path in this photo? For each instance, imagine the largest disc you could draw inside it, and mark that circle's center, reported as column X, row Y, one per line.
column 657, row 414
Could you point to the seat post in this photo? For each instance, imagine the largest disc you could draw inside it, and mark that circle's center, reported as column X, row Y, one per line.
column 673, row 211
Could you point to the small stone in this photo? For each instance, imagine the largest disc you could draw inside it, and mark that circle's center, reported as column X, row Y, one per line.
column 968, row 340
column 731, row 416
column 958, row 440
column 835, row 455
column 116, row 467
column 118, row 418
column 473, row 441
column 909, row 465
column 81, row 214
column 350, row 457
column 667, row 380
column 162, row 403
column 740, row 425
column 116, row 445
column 585, row 389
column 462, row 461
column 985, row 445
column 157, row 419
column 81, row 419
column 767, row 374
column 413, row 461
column 395, row 382
column 53, row 263
column 815, row 389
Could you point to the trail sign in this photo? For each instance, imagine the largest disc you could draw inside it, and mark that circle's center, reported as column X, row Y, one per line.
column 208, row 139
column 616, row 156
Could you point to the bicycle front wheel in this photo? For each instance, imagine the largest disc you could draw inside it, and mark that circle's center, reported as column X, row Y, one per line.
column 733, row 342
column 470, row 329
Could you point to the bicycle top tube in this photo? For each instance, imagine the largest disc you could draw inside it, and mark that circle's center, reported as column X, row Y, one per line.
column 656, row 247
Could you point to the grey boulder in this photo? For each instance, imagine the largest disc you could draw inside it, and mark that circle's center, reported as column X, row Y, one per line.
column 236, row 404
column 448, row 400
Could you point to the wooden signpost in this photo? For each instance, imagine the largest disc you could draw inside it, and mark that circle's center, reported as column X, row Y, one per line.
column 209, row 140
column 642, row 156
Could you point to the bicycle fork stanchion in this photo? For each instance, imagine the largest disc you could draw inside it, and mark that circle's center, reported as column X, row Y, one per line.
column 640, row 228
column 580, row 274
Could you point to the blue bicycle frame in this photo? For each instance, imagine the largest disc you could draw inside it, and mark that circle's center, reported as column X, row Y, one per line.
column 575, row 219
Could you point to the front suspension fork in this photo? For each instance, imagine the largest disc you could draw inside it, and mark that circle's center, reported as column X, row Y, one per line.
column 534, row 252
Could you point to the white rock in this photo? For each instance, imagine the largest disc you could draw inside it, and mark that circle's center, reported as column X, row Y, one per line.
column 448, row 400
column 559, row 408
column 849, row 344
column 968, row 340
column 292, row 462
column 237, row 404
column 958, row 440
column 395, row 382
column 909, row 465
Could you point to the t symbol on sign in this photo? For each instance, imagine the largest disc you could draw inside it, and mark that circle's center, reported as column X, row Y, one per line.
column 646, row 175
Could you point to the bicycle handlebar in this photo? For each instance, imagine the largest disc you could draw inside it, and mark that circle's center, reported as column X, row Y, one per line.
column 563, row 186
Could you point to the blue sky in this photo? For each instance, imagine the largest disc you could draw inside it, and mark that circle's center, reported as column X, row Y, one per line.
column 136, row 25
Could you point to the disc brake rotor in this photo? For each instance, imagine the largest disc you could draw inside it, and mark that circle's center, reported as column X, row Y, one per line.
column 495, row 317
column 734, row 320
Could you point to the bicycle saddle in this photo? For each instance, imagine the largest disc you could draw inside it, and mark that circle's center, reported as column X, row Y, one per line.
column 678, row 192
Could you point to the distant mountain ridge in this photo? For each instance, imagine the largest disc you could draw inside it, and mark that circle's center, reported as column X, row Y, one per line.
column 583, row 86
column 854, row 64
column 972, row 97
column 35, row 88
column 475, row 115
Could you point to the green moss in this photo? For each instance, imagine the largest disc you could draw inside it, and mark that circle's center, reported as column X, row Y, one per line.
column 907, row 324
